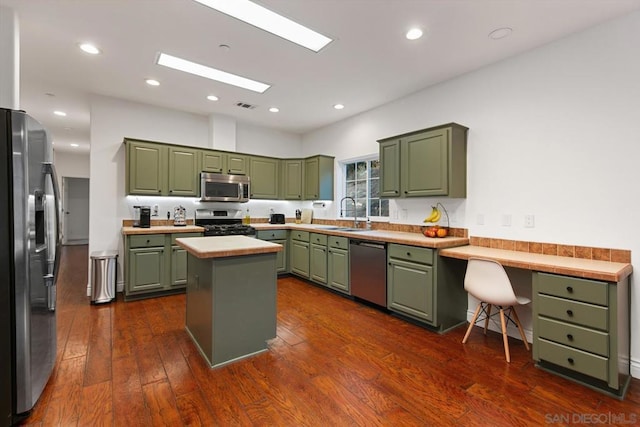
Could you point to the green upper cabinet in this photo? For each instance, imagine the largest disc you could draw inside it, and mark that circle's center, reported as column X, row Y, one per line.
column 292, row 179
column 211, row 161
column 236, row 164
column 264, row 174
column 390, row 172
column 146, row 168
column 431, row 162
column 183, row 171
column 318, row 178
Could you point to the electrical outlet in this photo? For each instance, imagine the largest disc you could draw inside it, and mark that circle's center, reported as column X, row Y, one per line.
column 529, row 221
column 506, row 220
column 155, row 210
column 480, row 219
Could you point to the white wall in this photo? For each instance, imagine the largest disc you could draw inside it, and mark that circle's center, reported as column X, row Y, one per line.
column 554, row 132
column 72, row 165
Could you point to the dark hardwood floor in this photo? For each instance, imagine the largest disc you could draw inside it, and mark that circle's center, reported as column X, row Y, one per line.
column 334, row 362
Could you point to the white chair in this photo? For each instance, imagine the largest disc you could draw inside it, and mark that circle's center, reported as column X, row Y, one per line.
column 487, row 281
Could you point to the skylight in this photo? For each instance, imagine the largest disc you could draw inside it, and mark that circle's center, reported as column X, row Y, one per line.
column 267, row 20
column 210, row 73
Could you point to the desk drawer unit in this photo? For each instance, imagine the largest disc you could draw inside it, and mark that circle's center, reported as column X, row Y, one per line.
column 581, row 330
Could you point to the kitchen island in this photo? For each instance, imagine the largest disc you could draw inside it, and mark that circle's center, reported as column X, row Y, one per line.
column 231, row 296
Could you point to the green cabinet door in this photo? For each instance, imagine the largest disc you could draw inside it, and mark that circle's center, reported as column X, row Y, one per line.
column 390, row 168
column 424, row 164
column 318, row 263
column 236, row 164
column 211, row 161
column 183, row 171
column 318, row 178
column 338, row 269
column 146, row 270
column 300, row 258
column 178, row 267
column 281, row 257
column 293, row 179
column 410, row 289
column 264, row 174
column 146, row 168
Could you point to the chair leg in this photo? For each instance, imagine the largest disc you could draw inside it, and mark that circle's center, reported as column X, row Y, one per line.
column 517, row 322
column 472, row 323
column 486, row 320
column 504, row 335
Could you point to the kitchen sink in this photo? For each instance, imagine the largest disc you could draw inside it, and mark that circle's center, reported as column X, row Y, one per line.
column 349, row 229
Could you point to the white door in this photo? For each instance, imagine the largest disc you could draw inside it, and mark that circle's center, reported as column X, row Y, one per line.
column 75, row 205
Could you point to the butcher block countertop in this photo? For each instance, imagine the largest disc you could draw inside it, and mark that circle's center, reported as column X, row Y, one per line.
column 162, row 229
column 226, row 246
column 578, row 267
column 405, row 238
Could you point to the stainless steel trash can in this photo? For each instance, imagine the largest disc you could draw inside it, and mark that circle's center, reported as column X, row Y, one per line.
column 103, row 276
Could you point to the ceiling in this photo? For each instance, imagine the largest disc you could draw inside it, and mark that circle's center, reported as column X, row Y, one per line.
column 369, row 63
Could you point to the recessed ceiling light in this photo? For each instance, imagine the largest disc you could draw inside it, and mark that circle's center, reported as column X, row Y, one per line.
column 89, row 48
column 267, row 20
column 74, row 145
column 338, row 106
column 500, row 33
column 414, row 34
column 274, row 109
column 152, row 82
column 210, row 73
column 212, row 98
column 60, row 113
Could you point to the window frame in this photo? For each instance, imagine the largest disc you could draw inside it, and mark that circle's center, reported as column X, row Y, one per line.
column 343, row 188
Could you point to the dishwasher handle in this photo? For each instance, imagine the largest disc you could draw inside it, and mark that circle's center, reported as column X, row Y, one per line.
column 369, row 244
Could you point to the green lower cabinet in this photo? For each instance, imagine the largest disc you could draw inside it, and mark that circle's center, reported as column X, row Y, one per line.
column 318, row 263
column 279, row 237
column 581, row 330
column 154, row 265
column 338, row 270
column 426, row 287
column 299, row 257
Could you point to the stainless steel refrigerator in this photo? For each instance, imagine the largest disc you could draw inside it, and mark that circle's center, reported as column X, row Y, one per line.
column 29, row 262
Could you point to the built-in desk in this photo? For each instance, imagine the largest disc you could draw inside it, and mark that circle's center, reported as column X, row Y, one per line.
column 581, row 322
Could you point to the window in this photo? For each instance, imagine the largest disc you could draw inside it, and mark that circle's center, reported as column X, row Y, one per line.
column 362, row 183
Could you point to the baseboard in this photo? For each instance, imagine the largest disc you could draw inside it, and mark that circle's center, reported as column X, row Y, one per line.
column 635, row 368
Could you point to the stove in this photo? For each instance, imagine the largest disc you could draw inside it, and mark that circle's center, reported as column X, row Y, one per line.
column 221, row 223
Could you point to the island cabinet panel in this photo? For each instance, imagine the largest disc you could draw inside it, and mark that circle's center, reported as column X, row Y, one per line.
column 425, row 163
column 183, row 171
column 581, row 330
column 154, row 265
column 264, row 173
column 146, row 168
column 338, row 264
column 231, row 305
column 292, row 179
column 426, row 287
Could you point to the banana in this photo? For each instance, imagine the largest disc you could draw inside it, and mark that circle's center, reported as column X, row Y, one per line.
column 434, row 216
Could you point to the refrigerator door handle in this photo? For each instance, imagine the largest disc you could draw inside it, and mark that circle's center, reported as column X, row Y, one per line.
column 50, row 279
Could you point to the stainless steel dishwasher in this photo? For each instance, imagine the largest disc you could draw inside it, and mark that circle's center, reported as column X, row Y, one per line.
column 368, row 275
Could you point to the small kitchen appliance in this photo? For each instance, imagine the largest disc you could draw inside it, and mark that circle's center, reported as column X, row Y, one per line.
column 179, row 216
column 218, row 187
column 276, row 218
column 142, row 216
column 221, row 223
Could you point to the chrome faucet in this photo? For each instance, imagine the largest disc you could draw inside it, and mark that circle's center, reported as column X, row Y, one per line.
column 355, row 211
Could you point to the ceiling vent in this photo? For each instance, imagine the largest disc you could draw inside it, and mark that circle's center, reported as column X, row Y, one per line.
column 245, row 105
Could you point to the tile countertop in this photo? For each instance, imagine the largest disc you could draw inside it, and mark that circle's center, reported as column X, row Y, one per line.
column 578, row 267
column 162, row 229
column 226, row 246
column 413, row 239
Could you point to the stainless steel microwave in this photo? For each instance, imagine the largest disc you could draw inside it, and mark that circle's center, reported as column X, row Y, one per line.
column 217, row 187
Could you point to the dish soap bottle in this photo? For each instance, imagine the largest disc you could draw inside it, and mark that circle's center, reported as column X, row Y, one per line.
column 247, row 218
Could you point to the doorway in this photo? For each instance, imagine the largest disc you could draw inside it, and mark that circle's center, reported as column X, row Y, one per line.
column 75, row 211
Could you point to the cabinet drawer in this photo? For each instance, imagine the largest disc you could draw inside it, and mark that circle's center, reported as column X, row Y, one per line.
column 318, row 239
column 146, row 240
column 576, row 360
column 573, row 288
column 175, row 236
column 411, row 253
column 271, row 234
column 573, row 311
column 574, row 336
column 338, row 242
column 300, row 235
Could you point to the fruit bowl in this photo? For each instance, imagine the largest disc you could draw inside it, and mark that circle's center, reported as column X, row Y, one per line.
column 435, row 231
